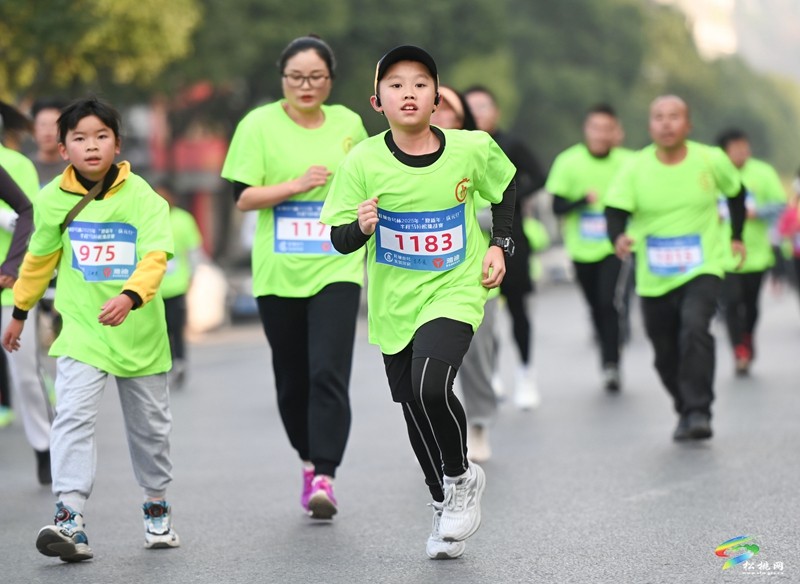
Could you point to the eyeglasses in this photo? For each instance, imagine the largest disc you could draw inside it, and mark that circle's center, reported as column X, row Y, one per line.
column 315, row 80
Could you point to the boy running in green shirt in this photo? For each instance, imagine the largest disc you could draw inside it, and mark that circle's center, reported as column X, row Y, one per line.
column 669, row 191
column 409, row 195
column 111, row 258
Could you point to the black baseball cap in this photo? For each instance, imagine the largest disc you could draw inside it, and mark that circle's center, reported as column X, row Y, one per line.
column 405, row 53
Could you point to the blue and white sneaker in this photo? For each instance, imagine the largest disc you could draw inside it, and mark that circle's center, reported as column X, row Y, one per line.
column 158, row 532
column 66, row 539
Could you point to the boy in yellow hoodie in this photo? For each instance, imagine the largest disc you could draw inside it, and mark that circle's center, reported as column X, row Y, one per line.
column 111, row 258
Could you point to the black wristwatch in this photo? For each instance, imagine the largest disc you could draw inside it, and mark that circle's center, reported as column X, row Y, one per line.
column 504, row 243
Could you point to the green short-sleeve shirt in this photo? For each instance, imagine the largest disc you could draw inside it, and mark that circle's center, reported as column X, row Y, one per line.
column 100, row 250
column 764, row 189
column 186, row 236
column 22, row 170
column 674, row 219
column 576, row 172
column 425, row 259
column 292, row 252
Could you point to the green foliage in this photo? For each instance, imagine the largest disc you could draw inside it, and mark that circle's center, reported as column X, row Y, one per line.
column 57, row 45
column 547, row 62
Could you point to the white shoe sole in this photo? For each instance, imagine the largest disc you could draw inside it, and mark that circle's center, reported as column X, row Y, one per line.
column 51, row 543
column 457, row 551
column 160, row 542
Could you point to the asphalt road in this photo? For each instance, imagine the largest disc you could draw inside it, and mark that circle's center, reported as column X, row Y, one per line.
column 588, row 488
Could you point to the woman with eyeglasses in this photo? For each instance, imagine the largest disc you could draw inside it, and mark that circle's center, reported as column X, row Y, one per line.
column 280, row 162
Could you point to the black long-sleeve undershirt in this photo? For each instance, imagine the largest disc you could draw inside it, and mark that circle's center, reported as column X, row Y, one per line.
column 562, row 206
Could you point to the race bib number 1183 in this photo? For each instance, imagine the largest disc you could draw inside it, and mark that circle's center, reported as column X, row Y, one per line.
column 431, row 241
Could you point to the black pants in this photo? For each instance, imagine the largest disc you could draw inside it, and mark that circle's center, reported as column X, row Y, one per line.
column 598, row 282
column 421, row 379
column 312, row 355
column 740, row 293
column 175, row 311
column 517, row 303
column 678, row 325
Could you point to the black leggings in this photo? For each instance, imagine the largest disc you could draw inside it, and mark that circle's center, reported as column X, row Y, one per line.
column 517, row 302
column 421, row 378
column 312, row 354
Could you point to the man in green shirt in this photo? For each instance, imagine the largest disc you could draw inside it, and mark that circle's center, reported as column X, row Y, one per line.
column 578, row 180
column 669, row 192
column 764, row 202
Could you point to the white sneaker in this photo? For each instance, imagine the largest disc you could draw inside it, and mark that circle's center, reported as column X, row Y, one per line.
column 461, row 515
column 437, row 548
column 158, row 532
column 498, row 387
column 478, row 449
column 526, row 393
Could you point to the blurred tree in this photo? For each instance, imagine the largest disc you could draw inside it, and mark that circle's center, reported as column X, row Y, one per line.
column 66, row 46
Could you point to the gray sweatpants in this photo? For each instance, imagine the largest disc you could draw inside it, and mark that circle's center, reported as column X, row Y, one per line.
column 73, row 447
column 476, row 370
column 30, row 393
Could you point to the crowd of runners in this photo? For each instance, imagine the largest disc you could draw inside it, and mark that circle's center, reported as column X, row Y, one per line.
column 435, row 210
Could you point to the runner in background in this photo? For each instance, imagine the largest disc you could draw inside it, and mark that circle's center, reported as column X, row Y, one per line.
column 480, row 363
column 578, row 180
column 31, row 401
column 49, row 164
column 47, row 160
column 789, row 228
column 177, row 280
column 517, row 284
column 764, row 203
column 669, row 192
column 280, row 162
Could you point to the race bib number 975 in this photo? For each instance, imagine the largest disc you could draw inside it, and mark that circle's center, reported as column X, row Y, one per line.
column 431, row 241
column 103, row 251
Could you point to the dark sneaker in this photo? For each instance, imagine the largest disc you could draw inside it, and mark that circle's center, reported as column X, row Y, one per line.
column 699, row 426
column 693, row 426
column 682, row 429
column 66, row 539
column 43, row 467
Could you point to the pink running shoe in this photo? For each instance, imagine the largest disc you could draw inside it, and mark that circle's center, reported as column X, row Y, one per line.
column 322, row 503
column 308, row 477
